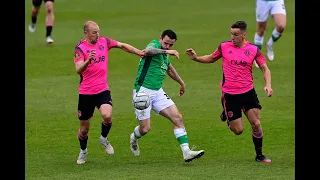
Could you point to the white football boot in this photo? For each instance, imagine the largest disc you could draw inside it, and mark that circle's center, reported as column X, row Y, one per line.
column 108, row 148
column 134, row 145
column 82, row 157
column 49, row 40
column 190, row 155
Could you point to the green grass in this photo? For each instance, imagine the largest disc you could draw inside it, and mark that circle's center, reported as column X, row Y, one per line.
column 51, row 95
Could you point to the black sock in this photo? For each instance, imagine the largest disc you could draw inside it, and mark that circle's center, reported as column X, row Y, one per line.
column 48, row 31
column 105, row 129
column 257, row 145
column 33, row 19
column 83, row 139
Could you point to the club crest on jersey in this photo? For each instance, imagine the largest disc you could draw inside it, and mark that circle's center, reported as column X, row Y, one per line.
column 77, row 55
column 247, row 52
column 101, row 47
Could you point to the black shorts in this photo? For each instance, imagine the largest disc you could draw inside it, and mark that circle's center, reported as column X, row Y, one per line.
column 234, row 104
column 39, row 2
column 87, row 103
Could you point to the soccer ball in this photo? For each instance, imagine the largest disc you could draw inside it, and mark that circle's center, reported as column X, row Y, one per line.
column 141, row 101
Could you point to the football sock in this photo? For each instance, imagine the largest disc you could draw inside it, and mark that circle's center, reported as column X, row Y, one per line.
column 105, row 128
column 136, row 132
column 258, row 41
column 274, row 37
column 182, row 138
column 33, row 20
column 48, row 30
column 257, row 141
column 83, row 139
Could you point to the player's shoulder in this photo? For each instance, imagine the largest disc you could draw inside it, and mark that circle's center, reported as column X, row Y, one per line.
column 105, row 39
column 79, row 45
column 154, row 43
column 251, row 46
column 226, row 43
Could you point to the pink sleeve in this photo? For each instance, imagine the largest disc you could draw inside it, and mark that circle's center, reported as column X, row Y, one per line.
column 78, row 55
column 111, row 43
column 217, row 54
column 260, row 59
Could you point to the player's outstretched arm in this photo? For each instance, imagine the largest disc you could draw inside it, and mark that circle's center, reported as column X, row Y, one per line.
column 175, row 76
column 202, row 59
column 151, row 51
column 131, row 49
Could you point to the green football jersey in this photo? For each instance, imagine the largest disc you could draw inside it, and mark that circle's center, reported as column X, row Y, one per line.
column 152, row 69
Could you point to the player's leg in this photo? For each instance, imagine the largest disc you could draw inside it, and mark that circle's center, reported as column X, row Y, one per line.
column 104, row 105
column 278, row 13
column 34, row 14
column 262, row 14
column 49, row 20
column 143, row 117
column 85, row 112
column 164, row 106
column 232, row 108
column 252, row 109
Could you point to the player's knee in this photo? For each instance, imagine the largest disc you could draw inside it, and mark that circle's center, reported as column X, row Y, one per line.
column 84, row 131
column 256, row 124
column 280, row 27
column 106, row 117
column 237, row 131
column 177, row 120
column 177, row 117
column 49, row 7
column 35, row 9
column 49, row 11
column 144, row 130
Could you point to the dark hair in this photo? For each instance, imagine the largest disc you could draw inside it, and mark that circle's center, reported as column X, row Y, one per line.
column 242, row 25
column 171, row 34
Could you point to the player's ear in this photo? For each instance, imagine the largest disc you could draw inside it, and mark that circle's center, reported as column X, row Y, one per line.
column 244, row 34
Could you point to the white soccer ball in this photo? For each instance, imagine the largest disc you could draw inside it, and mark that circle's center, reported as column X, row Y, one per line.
column 141, row 101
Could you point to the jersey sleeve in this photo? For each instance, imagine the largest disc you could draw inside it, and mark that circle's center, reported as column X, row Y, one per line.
column 111, row 43
column 217, row 54
column 78, row 55
column 260, row 59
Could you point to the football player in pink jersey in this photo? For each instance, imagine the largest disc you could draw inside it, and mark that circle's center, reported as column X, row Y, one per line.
column 238, row 92
column 91, row 63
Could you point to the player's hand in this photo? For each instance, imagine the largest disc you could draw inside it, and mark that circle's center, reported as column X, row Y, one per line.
column 182, row 89
column 92, row 54
column 191, row 53
column 174, row 53
column 269, row 90
column 142, row 53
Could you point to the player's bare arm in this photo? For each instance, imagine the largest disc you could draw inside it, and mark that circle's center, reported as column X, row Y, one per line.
column 202, row 59
column 175, row 76
column 267, row 78
column 130, row 49
column 151, row 51
column 82, row 65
